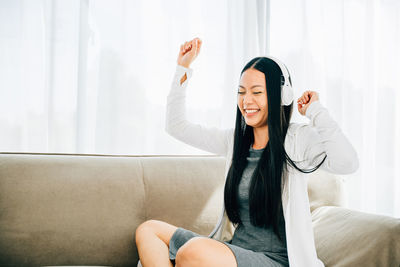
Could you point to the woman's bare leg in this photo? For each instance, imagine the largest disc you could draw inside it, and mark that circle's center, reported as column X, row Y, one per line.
column 204, row 251
column 152, row 241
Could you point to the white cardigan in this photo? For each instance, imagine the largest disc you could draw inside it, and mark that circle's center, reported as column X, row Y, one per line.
column 305, row 143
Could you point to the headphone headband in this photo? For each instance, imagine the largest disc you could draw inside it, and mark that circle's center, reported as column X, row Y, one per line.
column 287, row 90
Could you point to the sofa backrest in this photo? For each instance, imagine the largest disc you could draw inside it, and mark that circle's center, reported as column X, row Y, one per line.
column 70, row 209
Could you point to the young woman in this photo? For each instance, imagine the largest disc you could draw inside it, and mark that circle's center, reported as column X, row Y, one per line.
column 265, row 219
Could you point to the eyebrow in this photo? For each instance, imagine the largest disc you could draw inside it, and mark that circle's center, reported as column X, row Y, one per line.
column 252, row 86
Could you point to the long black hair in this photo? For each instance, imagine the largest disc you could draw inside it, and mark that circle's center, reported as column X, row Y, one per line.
column 265, row 190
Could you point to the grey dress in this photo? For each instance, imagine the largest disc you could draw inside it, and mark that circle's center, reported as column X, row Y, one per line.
column 251, row 245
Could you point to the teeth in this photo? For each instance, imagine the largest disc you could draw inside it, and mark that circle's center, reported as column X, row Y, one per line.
column 251, row 111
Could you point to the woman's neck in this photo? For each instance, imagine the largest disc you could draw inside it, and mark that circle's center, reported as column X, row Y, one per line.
column 260, row 137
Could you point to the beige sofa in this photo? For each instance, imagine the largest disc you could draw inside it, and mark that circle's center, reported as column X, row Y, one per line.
column 68, row 209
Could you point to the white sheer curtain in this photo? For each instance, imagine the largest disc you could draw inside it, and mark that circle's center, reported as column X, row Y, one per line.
column 348, row 51
column 93, row 76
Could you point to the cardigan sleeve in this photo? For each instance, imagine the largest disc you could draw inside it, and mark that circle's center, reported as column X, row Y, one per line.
column 210, row 139
column 322, row 137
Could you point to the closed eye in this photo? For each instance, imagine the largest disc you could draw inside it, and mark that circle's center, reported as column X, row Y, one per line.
column 241, row 93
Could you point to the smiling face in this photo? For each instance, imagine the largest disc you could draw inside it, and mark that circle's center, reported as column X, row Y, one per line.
column 252, row 96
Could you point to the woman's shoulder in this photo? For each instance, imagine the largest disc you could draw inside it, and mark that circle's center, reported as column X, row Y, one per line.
column 296, row 127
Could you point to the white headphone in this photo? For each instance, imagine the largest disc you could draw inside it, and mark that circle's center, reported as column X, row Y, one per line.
column 286, row 88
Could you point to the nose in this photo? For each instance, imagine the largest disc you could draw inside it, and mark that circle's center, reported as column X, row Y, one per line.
column 247, row 99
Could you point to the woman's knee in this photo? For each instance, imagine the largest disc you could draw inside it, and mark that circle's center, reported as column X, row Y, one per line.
column 202, row 251
column 141, row 227
column 188, row 253
column 163, row 230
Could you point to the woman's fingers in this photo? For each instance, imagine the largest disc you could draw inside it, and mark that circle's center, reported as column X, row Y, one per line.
column 189, row 51
column 192, row 43
column 186, row 45
column 304, row 98
column 301, row 100
column 304, row 101
column 197, row 42
column 307, row 96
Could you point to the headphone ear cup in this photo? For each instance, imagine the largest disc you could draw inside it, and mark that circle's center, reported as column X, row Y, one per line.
column 287, row 95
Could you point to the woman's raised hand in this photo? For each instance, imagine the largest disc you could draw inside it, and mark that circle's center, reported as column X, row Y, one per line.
column 188, row 52
column 305, row 100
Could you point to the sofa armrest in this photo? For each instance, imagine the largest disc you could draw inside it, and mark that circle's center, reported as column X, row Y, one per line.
column 345, row 237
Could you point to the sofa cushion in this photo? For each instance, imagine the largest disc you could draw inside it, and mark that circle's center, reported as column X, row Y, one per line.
column 186, row 191
column 325, row 189
column 345, row 237
column 65, row 209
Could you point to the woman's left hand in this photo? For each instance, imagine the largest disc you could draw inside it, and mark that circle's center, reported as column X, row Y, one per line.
column 305, row 100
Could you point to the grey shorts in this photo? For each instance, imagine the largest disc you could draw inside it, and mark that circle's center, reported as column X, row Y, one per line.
column 244, row 257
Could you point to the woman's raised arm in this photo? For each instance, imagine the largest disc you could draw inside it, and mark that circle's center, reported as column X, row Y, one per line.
column 323, row 136
column 211, row 139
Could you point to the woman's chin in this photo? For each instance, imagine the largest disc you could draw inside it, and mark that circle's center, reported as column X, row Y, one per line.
column 255, row 124
column 251, row 123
